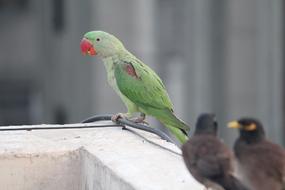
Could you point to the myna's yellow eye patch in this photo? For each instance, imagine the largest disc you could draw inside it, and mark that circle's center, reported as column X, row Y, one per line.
column 250, row 127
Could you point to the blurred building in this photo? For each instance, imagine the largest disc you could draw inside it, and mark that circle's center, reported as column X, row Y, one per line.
column 219, row 56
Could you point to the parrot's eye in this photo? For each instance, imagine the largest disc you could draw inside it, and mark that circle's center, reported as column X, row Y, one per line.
column 98, row 39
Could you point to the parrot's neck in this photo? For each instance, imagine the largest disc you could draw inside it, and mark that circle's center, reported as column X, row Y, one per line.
column 109, row 63
column 109, row 66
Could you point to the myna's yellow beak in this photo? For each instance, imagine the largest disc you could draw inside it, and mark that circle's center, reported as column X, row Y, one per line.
column 234, row 124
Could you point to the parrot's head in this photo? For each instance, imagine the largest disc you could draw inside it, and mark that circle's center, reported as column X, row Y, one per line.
column 100, row 43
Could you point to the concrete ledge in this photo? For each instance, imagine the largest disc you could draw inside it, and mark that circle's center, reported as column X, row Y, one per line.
column 89, row 159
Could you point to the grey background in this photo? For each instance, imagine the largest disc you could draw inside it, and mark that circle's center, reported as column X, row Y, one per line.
column 222, row 56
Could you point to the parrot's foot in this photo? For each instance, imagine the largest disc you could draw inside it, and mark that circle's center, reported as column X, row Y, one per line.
column 140, row 119
column 117, row 116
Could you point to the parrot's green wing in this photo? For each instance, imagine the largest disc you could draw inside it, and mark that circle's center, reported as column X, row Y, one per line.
column 141, row 84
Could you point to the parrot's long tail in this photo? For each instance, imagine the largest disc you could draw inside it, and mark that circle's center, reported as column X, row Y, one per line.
column 176, row 126
column 178, row 133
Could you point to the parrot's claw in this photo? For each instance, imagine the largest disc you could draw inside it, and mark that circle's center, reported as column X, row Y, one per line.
column 140, row 119
column 117, row 116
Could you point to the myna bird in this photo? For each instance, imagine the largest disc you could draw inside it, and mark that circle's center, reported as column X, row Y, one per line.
column 260, row 162
column 208, row 159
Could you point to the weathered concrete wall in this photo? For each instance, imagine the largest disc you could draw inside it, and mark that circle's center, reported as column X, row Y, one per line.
column 55, row 170
column 90, row 159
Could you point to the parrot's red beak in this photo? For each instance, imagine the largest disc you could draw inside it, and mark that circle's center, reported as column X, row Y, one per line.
column 87, row 47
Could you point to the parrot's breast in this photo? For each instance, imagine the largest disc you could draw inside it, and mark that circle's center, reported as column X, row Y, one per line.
column 109, row 65
column 110, row 68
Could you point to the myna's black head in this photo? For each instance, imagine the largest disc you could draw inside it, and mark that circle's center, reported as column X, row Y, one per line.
column 251, row 129
column 206, row 124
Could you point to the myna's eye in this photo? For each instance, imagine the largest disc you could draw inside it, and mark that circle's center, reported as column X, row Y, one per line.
column 98, row 39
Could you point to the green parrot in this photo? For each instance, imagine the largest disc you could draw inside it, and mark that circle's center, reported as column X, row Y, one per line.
column 139, row 87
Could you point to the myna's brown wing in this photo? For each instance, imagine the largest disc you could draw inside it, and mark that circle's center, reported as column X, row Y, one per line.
column 212, row 165
column 206, row 157
column 272, row 158
column 263, row 164
column 277, row 156
column 213, row 158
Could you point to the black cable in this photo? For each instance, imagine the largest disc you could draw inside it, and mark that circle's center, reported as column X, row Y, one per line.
column 123, row 122
column 95, row 118
column 41, row 127
column 153, row 143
